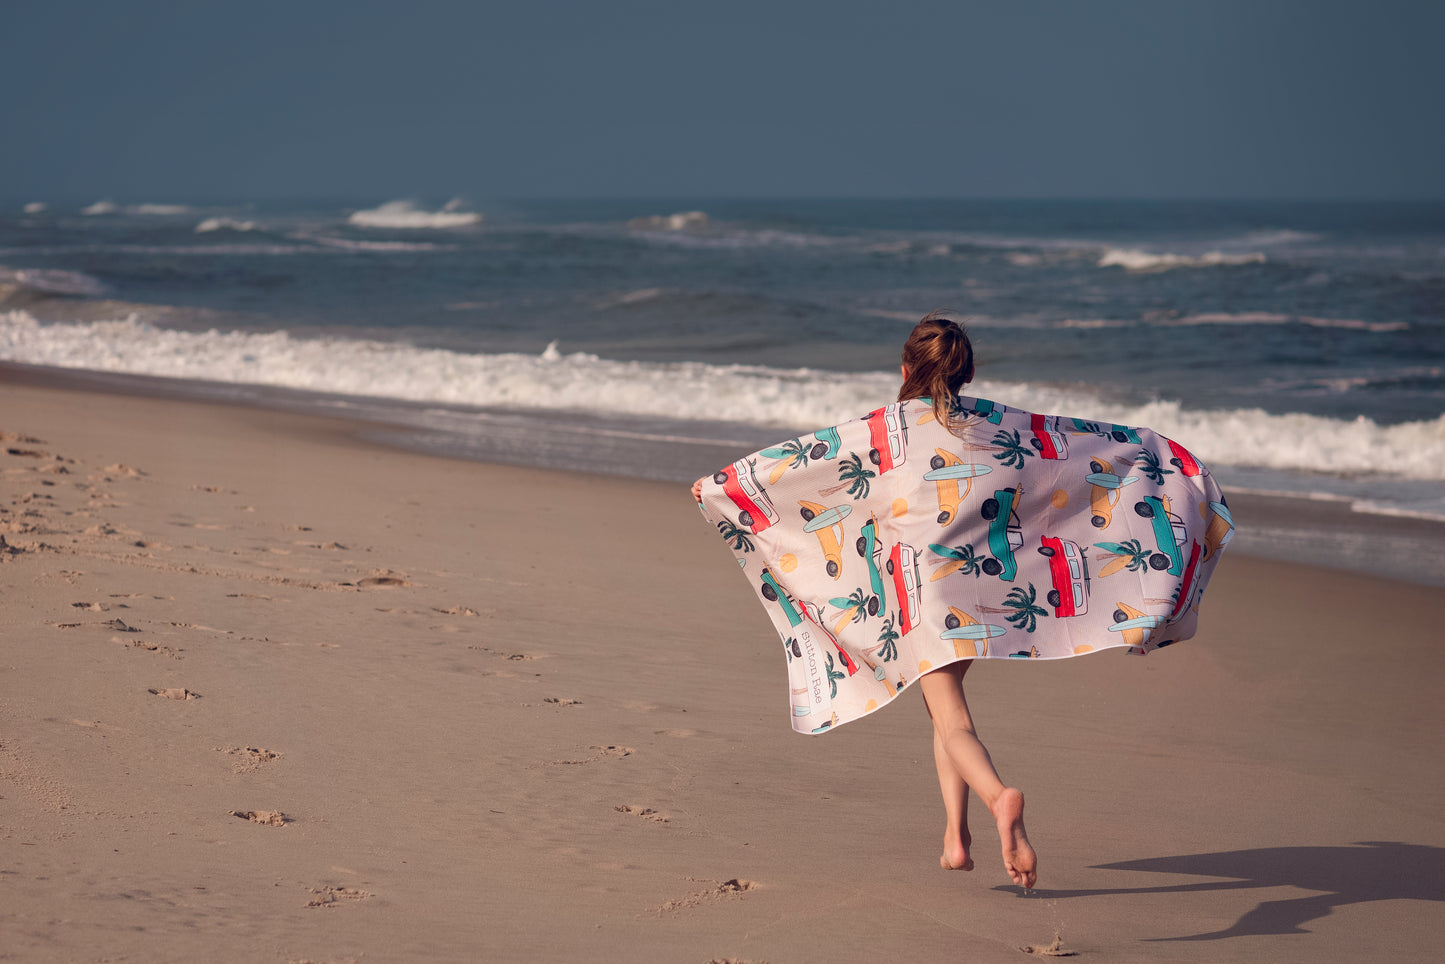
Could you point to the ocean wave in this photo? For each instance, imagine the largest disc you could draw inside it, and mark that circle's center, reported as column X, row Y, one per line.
column 1277, row 318
column 224, row 224
column 350, row 244
column 734, row 238
column 681, row 221
column 1133, row 259
column 1271, row 236
column 100, row 207
column 158, row 210
column 405, row 214
column 789, row 399
column 53, row 281
column 35, row 207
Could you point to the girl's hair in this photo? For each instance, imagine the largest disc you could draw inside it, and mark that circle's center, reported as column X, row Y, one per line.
column 939, row 359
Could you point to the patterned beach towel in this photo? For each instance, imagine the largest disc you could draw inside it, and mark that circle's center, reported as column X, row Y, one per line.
column 888, row 546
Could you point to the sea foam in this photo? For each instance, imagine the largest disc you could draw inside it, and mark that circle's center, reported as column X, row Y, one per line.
column 789, row 399
column 158, row 210
column 54, row 281
column 404, row 214
column 224, row 224
column 1133, row 259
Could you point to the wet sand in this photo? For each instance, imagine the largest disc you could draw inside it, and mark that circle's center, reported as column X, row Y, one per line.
column 269, row 687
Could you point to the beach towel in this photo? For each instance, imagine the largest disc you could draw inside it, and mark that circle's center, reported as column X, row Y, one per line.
column 888, row 545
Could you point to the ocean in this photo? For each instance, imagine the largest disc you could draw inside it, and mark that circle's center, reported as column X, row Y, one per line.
column 1297, row 348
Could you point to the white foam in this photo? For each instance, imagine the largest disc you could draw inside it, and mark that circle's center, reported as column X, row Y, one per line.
column 54, row 281
column 680, row 221
column 100, row 207
column 35, row 207
column 1269, row 236
column 793, row 399
column 1133, row 259
column 405, row 214
column 640, row 296
column 1276, row 318
column 224, row 224
column 350, row 244
column 159, row 210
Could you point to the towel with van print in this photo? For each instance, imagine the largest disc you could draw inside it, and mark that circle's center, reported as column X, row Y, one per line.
column 888, row 546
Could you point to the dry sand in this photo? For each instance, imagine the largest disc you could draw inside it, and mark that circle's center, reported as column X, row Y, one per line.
column 268, row 693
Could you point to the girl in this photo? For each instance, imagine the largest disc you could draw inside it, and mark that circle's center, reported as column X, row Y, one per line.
column 937, row 362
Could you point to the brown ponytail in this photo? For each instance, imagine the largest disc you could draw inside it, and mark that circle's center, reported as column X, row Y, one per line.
column 939, row 359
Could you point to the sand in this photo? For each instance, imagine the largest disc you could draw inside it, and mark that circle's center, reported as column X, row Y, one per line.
column 272, row 693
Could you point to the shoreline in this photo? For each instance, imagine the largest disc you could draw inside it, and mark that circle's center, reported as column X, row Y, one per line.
column 1312, row 529
column 273, row 686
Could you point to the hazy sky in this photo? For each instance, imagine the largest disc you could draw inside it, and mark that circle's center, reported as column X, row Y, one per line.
column 151, row 101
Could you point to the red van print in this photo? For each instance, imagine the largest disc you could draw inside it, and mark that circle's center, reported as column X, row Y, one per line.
column 1182, row 460
column 887, row 436
column 1047, row 438
column 1069, row 571
column 903, row 567
column 755, row 509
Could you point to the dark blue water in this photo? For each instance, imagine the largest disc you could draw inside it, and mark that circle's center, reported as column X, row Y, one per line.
column 1333, row 309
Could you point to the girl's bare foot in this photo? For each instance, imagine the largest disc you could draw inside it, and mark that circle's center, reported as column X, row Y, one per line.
column 955, row 852
column 1019, row 858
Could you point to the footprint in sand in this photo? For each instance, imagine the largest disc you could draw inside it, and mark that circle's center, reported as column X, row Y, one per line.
column 94, row 607
column 1056, row 949
column 646, row 813
column 613, row 751
column 727, row 890
column 148, row 646
column 120, row 468
column 249, row 758
column 389, row 581
column 198, row 627
column 267, row 818
column 506, row 655
column 333, row 896
column 175, row 693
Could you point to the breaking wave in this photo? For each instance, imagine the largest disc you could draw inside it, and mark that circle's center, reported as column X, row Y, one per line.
column 53, row 281
column 789, row 399
column 404, row 214
column 224, row 224
column 1133, row 259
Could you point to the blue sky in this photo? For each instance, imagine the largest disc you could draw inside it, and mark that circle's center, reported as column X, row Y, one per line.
column 152, row 100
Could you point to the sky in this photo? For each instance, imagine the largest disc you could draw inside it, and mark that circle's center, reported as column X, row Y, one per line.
column 198, row 100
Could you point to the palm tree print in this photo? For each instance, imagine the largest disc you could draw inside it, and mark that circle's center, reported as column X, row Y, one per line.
column 854, row 606
column 852, row 473
column 1149, row 464
column 888, row 640
column 833, row 677
column 959, row 559
column 1130, row 553
column 738, row 537
column 1013, row 451
column 1025, row 614
column 793, row 455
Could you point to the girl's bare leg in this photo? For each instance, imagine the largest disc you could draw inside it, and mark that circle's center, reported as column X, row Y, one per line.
column 954, row 732
column 956, row 838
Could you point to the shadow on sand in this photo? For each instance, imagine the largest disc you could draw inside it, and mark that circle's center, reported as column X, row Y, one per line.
column 1364, row 872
